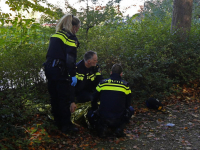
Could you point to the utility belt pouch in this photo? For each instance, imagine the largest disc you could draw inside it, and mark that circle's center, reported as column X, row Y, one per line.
column 62, row 67
column 50, row 63
column 55, row 62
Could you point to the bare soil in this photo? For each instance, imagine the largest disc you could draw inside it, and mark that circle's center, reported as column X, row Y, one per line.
column 149, row 130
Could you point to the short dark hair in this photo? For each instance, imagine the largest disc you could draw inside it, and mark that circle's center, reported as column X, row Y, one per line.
column 88, row 55
column 116, row 68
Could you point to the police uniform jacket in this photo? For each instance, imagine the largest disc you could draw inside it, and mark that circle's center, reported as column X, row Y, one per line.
column 87, row 78
column 114, row 95
column 63, row 48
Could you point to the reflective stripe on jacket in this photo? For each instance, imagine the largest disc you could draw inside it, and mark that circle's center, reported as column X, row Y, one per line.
column 88, row 78
column 64, row 45
column 114, row 95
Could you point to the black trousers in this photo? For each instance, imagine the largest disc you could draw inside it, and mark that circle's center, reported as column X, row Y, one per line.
column 60, row 96
column 96, row 121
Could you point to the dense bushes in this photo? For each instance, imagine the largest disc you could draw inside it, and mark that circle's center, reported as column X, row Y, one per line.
column 22, row 54
column 152, row 58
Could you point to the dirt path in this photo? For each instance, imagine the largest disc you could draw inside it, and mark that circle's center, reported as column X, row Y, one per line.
column 149, row 130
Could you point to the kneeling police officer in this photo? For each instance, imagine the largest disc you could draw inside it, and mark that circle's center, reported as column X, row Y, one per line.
column 114, row 109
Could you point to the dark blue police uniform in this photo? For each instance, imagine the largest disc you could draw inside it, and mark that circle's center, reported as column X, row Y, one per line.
column 115, row 99
column 87, row 80
column 60, row 66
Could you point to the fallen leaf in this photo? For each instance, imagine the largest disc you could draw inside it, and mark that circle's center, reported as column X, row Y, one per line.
column 159, row 120
column 74, row 146
column 195, row 115
column 150, row 135
column 117, row 142
column 135, row 147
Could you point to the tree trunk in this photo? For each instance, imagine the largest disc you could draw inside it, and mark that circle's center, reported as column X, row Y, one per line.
column 181, row 20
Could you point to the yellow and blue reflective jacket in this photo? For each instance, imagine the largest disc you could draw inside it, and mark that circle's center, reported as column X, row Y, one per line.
column 114, row 95
column 64, row 45
column 88, row 78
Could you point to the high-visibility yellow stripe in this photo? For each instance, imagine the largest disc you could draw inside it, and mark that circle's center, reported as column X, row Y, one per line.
column 91, row 77
column 98, row 73
column 88, row 77
column 61, row 33
column 65, row 39
column 114, row 84
column 113, row 87
column 80, row 76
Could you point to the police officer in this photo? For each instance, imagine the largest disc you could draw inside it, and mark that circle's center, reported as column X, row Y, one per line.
column 115, row 99
column 88, row 75
column 60, row 71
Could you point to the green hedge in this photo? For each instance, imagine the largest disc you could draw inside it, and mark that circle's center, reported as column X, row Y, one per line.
column 22, row 53
column 153, row 59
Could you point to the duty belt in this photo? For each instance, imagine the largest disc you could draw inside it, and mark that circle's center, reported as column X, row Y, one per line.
column 55, row 63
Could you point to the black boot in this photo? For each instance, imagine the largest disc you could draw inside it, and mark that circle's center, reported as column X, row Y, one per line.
column 58, row 125
column 69, row 129
column 119, row 132
column 102, row 131
column 73, row 128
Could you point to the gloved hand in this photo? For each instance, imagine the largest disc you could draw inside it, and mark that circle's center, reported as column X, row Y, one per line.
column 74, row 81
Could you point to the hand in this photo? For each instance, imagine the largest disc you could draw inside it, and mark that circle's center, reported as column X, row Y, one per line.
column 74, row 81
column 72, row 107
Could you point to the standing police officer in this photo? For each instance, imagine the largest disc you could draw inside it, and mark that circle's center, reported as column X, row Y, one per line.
column 60, row 71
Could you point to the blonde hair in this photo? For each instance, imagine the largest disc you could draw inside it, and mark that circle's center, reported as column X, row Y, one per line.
column 67, row 22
